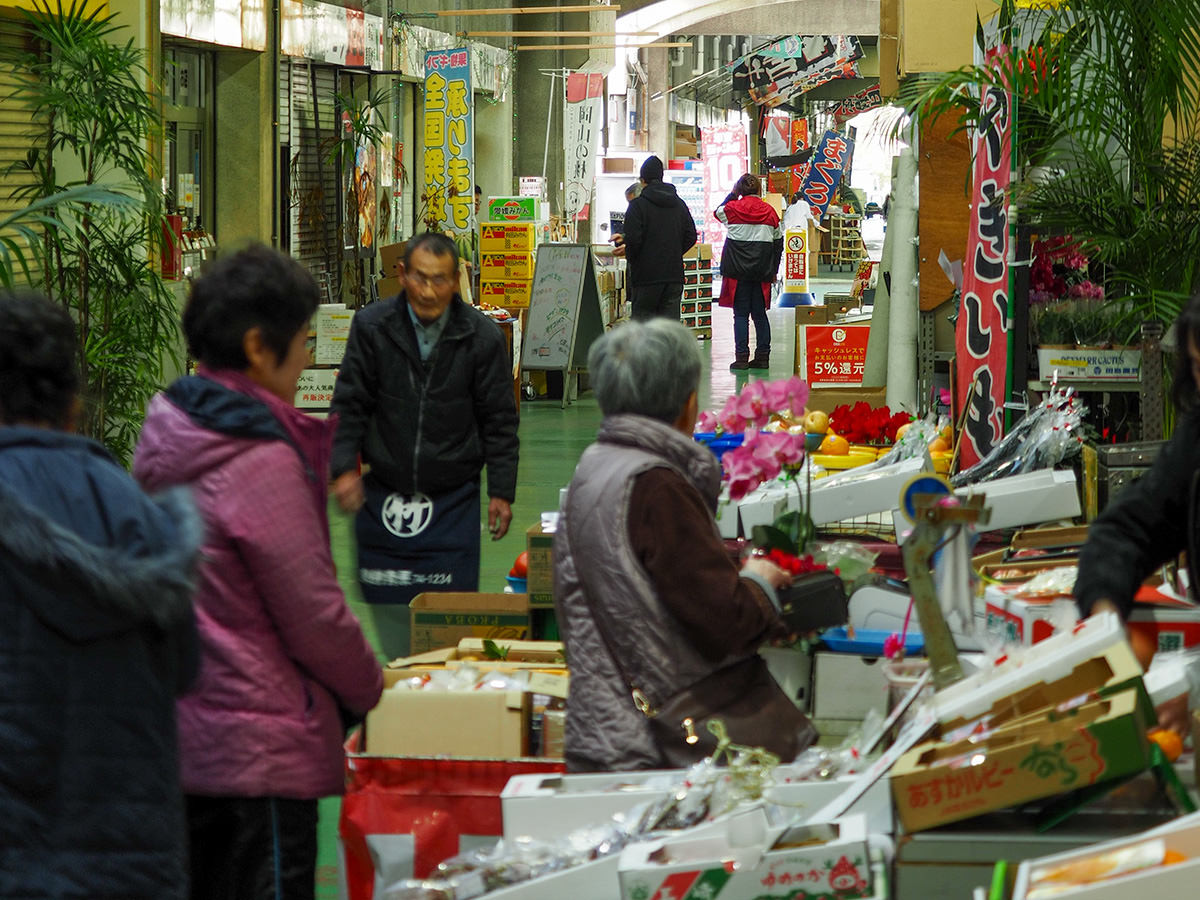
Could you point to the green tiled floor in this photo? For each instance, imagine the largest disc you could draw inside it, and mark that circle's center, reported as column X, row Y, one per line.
column 552, row 438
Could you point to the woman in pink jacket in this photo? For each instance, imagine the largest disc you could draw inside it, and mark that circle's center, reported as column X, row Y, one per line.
column 284, row 665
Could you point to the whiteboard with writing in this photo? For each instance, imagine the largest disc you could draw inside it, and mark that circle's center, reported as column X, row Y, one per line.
column 564, row 309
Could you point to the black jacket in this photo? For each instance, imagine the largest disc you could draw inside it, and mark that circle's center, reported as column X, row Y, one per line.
column 98, row 637
column 1150, row 522
column 659, row 229
column 427, row 427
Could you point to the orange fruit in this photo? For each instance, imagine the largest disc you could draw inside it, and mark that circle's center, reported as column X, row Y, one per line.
column 1168, row 741
column 938, row 445
column 902, row 430
column 834, row 445
column 1173, row 857
column 947, row 434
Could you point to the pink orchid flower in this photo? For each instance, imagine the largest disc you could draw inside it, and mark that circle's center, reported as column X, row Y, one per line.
column 707, row 422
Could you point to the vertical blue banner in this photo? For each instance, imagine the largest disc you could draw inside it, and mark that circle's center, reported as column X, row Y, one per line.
column 449, row 139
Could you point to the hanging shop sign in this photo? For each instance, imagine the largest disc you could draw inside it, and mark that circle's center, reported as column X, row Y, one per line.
column 858, row 103
column 799, row 141
column 582, row 121
column 449, row 141
column 789, row 67
column 331, row 34
column 825, row 172
column 981, row 332
column 229, row 23
column 834, row 355
column 725, row 161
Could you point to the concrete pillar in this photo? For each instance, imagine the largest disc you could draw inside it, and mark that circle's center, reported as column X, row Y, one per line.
column 244, row 148
column 661, row 137
column 903, row 318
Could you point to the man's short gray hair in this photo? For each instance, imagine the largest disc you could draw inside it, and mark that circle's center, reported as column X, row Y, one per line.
column 647, row 368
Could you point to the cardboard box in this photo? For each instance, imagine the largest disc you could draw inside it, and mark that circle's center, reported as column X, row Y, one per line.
column 505, row 266
column 827, row 399
column 1046, row 662
column 389, row 287
column 1180, row 837
column 517, row 209
column 938, row 782
column 474, row 724
column 503, row 237
column 1026, row 621
column 539, row 581
column 848, row 686
column 617, row 165
column 1089, row 364
column 1044, row 495
column 443, row 619
column 391, row 256
column 831, row 859
column 809, row 315
column 512, row 294
column 699, row 251
column 541, row 661
column 1168, row 627
column 862, row 493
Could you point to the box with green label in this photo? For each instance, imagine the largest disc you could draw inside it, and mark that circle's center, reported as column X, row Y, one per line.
column 517, row 209
column 443, row 619
column 540, row 579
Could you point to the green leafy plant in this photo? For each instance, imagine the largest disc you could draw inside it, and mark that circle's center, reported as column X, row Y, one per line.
column 94, row 119
column 1107, row 106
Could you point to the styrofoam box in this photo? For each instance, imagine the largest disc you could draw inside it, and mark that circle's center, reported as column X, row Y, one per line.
column 860, row 494
column 848, row 685
column 1045, row 495
column 762, row 506
column 792, row 670
column 549, row 806
column 1178, row 880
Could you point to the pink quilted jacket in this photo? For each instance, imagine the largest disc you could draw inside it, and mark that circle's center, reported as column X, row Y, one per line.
column 280, row 650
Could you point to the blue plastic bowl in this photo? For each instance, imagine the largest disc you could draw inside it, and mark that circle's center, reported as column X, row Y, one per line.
column 812, row 441
column 519, row 585
column 719, row 443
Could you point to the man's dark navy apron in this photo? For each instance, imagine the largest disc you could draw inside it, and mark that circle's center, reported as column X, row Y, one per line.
column 410, row 545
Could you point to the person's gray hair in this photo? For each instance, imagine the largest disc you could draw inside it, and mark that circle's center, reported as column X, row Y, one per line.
column 633, row 191
column 647, row 368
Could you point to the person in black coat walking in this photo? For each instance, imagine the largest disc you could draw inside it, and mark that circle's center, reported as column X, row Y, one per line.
column 659, row 229
column 98, row 639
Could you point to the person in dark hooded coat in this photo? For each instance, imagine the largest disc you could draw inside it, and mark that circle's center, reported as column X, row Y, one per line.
column 98, row 639
column 659, row 229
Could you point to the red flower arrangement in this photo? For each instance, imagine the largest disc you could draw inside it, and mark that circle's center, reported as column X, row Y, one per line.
column 793, row 563
column 864, row 424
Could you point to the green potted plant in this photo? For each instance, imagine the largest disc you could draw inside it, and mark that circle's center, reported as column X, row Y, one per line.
column 94, row 116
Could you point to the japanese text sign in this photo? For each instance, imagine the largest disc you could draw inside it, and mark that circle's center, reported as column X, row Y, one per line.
column 835, row 354
column 449, row 140
column 981, row 333
column 581, row 138
column 825, row 172
column 724, row 163
column 789, row 67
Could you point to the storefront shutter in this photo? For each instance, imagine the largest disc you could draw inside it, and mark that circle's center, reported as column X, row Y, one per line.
column 313, row 200
column 17, row 135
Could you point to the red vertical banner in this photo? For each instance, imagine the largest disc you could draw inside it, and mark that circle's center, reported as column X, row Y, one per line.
column 981, row 333
column 799, row 142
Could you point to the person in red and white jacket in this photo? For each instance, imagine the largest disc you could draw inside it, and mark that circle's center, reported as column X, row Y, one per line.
column 749, row 262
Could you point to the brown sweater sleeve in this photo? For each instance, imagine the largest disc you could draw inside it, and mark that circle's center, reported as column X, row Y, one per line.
column 672, row 535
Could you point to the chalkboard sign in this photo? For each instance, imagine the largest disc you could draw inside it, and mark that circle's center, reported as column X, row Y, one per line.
column 564, row 310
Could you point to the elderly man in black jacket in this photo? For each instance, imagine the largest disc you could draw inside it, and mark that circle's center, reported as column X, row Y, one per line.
column 659, row 229
column 425, row 397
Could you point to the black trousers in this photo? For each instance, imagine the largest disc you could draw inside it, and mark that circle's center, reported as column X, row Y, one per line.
column 252, row 848
column 649, row 300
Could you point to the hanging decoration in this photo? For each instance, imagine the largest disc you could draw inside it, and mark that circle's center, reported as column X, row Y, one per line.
column 820, row 184
column 584, row 112
column 449, row 140
column 791, row 66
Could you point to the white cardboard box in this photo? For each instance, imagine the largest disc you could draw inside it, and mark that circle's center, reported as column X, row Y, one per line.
column 1026, row 622
column 1031, row 498
column 549, row 806
column 848, row 685
column 743, row 865
column 1178, row 880
column 762, row 506
column 876, row 490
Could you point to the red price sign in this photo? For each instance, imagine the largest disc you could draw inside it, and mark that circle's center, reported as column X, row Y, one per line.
column 835, row 354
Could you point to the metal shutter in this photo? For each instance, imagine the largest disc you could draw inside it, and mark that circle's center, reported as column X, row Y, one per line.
column 17, row 133
column 313, row 181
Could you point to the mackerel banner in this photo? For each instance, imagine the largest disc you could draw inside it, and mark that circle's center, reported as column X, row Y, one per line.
column 825, row 172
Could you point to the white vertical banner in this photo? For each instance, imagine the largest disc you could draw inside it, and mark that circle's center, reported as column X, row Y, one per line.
column 581, row 140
